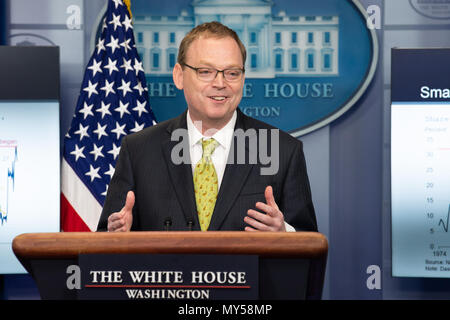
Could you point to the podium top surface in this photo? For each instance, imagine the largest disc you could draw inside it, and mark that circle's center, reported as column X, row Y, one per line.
column 267, row 244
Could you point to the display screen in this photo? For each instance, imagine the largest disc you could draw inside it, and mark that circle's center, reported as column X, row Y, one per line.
column 29, row 174
column 420, row 163
column 420, row 153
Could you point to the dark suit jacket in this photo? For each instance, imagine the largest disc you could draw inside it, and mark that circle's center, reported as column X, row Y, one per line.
column 165, row 191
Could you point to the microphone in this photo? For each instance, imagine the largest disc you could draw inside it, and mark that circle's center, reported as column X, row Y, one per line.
column 190, row 224
column 167, row 223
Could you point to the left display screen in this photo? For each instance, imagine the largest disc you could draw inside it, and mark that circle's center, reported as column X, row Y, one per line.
column 29, row 174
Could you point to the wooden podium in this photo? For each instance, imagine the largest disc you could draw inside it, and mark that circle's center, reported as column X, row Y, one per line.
column 291, row 264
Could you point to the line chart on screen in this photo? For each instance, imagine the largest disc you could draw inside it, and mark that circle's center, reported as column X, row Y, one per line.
column 8, row 159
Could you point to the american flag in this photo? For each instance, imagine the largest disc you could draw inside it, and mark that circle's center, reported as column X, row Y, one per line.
column 113, row 102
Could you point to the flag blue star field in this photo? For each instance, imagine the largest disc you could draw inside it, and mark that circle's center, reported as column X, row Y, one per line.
column 113, row 102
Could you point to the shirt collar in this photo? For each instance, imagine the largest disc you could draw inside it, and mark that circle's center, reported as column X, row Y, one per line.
column 223, row 136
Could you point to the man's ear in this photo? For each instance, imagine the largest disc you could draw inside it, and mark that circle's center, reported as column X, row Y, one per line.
column 177, row 74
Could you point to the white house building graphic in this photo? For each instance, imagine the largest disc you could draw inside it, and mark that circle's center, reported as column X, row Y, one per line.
column 277, row 45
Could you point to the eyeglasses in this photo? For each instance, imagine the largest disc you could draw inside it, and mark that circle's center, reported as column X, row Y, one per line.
column 209, row 74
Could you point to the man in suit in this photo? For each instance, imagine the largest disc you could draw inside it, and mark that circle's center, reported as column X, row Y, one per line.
column 222, row 150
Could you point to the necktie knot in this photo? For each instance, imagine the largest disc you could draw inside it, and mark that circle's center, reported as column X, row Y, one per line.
column 208, row 147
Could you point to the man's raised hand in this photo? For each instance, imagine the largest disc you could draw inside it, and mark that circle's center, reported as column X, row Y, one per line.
column 121, row 221
column 271, row 220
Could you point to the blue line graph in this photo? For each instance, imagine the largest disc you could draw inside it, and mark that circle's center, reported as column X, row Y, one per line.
column 10, row 182
column 445, row 223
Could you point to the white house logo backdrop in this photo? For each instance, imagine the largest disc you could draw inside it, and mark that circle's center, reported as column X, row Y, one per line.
column 308, row 61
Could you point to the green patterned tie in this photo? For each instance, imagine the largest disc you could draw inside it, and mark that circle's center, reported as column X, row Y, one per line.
column 205, row 184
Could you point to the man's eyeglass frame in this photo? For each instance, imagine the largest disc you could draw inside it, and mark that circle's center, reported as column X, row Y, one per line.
column 217, row 72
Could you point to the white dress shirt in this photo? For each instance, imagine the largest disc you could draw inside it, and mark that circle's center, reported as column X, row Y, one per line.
column 219, row 157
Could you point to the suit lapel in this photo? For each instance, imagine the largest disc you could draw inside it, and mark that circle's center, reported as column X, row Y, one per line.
column 233, row 180
column 181, row 174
